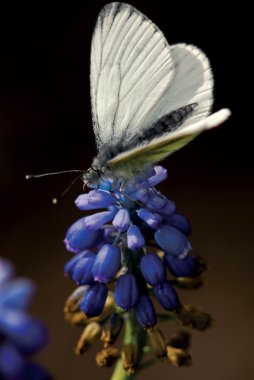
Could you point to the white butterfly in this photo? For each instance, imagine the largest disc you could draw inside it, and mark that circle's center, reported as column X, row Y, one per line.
column 149, row 99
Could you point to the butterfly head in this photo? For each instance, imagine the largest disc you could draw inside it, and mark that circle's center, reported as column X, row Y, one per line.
column 92, row 176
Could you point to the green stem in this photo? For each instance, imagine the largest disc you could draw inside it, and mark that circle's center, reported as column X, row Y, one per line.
column 119, row 373
column 134, row 334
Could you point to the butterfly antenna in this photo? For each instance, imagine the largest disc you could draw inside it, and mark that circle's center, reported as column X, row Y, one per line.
column 57, row 199
column 30, row 176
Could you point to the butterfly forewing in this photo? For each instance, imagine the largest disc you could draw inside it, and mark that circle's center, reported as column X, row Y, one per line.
column 131, row 68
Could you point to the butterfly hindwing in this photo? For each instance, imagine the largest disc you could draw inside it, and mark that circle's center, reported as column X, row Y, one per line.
column 161, row 147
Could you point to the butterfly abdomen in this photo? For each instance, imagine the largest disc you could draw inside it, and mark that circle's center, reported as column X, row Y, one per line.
column 168, row 123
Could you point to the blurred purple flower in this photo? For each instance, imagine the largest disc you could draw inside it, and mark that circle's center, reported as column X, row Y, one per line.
column 21, row 335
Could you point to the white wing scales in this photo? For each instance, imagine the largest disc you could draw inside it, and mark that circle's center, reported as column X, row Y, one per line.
column 109, row 83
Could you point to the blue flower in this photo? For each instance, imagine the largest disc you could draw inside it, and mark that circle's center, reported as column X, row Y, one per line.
column 96, row 221
column 160, row 175
column 20, row 334
column 79, row 237
column 172, row 241
column 135, row 239
column 187, row 267
column 145, row 312
column 94, row 200
column 180, row 222
column 70, row 265
column 94, row 299
column 82, row 272
column 153, row 269
column 133, row 217
column 167, row 296
column 107, row 263
column 153, row 220
column 126, row 291
column 122, row 220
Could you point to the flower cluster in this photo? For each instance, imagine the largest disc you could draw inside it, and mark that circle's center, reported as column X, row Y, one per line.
column 20, row 334
column 120, row 242
column 136, row 249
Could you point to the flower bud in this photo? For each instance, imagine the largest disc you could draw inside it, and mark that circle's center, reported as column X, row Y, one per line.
column 156, row 201
column 78, row 237
column 180, row 340
column 167, row 296
column 153, row 220
column 189, row 266
column 95, row 221
column 135, row 239
column 72, row 312
column 180, row 222
column 100, row 198
column 141, row 194
column 89, row 336
column 160, row 175
column 71, row 264
column 130, row 358
column 157, row 343
column 172, row 241
column 168, row 209
column 145, row 313
column 73, row 302
column 82, row 273
column 126, row 291
column 188, row 282
column 107, row 357
column 93, row 200
column 76, row 319
column 111, row 329
column 107, row 263
column 194, row 316
column 94, row 300
column 153, row 269
column 122, row 220
column 178, row 357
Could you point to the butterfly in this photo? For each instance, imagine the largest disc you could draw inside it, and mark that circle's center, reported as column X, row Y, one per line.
column 149, row 99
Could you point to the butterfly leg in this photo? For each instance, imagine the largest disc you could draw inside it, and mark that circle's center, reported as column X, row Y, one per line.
column 141, row 174
column 121, row 191
column 112, row 189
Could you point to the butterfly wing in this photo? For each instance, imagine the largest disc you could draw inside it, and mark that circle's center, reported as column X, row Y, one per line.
column 192, row 83
column 136, row 78
column 131, row 70
column 163, row 146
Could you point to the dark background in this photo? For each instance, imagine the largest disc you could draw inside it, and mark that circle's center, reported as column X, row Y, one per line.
column 45, row 125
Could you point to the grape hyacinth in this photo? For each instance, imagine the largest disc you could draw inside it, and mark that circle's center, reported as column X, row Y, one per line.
column 21, row 335
column 122, row 255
